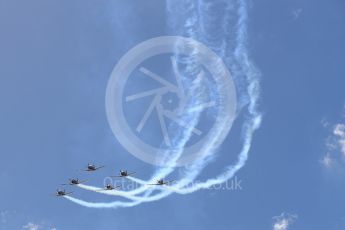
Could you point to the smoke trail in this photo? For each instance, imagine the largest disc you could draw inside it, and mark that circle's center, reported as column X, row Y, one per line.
column 242, row 68
column 253, row 122
column 192, row 89
column 159, row 174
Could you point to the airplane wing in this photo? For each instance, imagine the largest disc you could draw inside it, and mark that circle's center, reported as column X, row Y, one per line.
column 129, row 174
column 165, row 183
column 115, row 188
column 117, row 176
column 91, row 170
column 63, row 194
column 154, row 184
column 80, row 182
column 103, row 189
column 86, row 170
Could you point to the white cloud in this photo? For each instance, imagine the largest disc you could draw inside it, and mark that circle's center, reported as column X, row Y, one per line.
column 327, row 161
column 335, row 144
column 31, row 226
column 8, row 217
column 284, row 221
column 41, row 226
column 339, row 133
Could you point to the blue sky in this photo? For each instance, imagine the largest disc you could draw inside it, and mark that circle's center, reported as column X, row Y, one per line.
column 55, row 61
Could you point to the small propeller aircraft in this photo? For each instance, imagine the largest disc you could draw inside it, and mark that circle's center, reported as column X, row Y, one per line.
column 109, row 187
column 75, row 182
column 162, row 182
column 62, row 192
column 92, row 167
column 124, row 173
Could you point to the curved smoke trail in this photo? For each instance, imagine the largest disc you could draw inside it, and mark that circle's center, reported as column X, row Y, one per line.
column 198, row 26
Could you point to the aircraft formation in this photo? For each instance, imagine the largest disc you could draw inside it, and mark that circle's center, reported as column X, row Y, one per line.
column 93, row 168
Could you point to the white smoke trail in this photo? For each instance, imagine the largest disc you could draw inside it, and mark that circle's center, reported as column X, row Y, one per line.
column 251, row 124
column 191, row 117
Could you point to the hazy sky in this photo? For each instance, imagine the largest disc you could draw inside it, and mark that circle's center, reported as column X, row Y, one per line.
column 55, row 61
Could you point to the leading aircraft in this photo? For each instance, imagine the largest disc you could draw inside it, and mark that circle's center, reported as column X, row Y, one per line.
column 92, row 167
